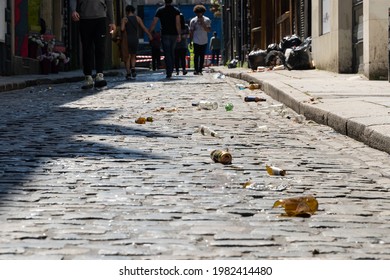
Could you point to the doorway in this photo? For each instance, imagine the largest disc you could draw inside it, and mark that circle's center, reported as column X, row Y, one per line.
column 357, row 36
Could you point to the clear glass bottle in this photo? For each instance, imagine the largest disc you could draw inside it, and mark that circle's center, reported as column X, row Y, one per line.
column 204, row 130
column 207, row 105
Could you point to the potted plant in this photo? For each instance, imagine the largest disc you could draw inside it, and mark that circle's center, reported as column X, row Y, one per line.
column 35, row 41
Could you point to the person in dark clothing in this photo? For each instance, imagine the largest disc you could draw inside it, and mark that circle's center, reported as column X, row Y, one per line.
column 169, row 17
column 93, row 15
column 42, row 23
column 215, row 47
column 155, row 44
column 181, row 47
column 130, row 24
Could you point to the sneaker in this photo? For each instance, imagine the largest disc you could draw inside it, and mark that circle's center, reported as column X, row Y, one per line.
column 196, row 73
column 100, row 81
column 133, row 74
column 88, row 82
column 177, row 73
column 185, row 72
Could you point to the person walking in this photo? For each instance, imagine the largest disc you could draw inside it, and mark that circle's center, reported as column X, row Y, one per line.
column 92, row 16
column 169, row 17
column 199, row 27
column 155, row 45
column 130, row 24
column 215, row 47
column 181, row 47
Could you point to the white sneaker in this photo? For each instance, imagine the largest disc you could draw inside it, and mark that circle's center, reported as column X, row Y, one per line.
column 88, row 82
column 100, row 81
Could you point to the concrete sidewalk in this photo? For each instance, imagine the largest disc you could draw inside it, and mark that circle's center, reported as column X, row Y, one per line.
column 349, row 103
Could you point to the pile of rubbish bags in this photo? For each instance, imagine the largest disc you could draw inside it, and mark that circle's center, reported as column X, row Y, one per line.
column 291, row 52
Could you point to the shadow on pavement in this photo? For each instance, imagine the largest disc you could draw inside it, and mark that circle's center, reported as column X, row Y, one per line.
column 36, row 128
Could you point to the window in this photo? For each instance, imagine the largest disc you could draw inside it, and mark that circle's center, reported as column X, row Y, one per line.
column 325, row 16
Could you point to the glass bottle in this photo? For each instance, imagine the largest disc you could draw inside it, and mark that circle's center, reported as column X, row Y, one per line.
column 207, row 105
column 303, row 206
column 253, row 99
column 229, row 107
column 254, row 86
column 221, row 156
column 273, row 170
column 204, row 130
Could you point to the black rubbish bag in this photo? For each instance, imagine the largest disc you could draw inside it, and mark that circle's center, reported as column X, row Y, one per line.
column 299, row 58
column 256, row 59
column 290, row 42
column 275, row 58
column 233, row 63
column 273, row 47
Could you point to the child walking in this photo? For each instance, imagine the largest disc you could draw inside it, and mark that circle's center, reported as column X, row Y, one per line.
column 131, row 24
column 181, row 47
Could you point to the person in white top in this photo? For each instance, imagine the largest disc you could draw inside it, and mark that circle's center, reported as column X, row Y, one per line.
column 199, row 27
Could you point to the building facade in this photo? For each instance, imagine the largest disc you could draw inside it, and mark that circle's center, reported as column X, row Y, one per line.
column 351, row 36
column 23, row 21
column 255, row 24
column 5, row 37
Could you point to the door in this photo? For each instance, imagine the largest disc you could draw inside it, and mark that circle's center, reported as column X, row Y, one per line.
column 357, row 36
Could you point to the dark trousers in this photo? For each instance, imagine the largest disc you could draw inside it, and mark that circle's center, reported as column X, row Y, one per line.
column 180, row 59
column 215, row 56
column 93, row 40
column 156, row 54
column 169, row 43
column 199, row 53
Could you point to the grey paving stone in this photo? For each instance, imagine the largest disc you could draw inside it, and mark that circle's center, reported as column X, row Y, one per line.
column 79, row 179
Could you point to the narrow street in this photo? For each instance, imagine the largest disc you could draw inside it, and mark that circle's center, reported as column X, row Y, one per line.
column 79, row 179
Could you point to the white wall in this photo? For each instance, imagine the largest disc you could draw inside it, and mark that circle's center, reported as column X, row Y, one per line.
column 333, row 51
column 375, row 30
column 325, row 46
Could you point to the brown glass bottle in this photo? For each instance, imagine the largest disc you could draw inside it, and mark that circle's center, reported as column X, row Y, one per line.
column 253, row 99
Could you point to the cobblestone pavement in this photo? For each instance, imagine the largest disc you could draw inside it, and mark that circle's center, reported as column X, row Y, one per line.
column 81, row 180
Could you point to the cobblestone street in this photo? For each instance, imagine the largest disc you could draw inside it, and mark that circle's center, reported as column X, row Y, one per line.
column 79, row 179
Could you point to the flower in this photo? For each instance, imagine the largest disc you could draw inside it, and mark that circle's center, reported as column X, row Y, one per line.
column 37, row 39
column 57, row 57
